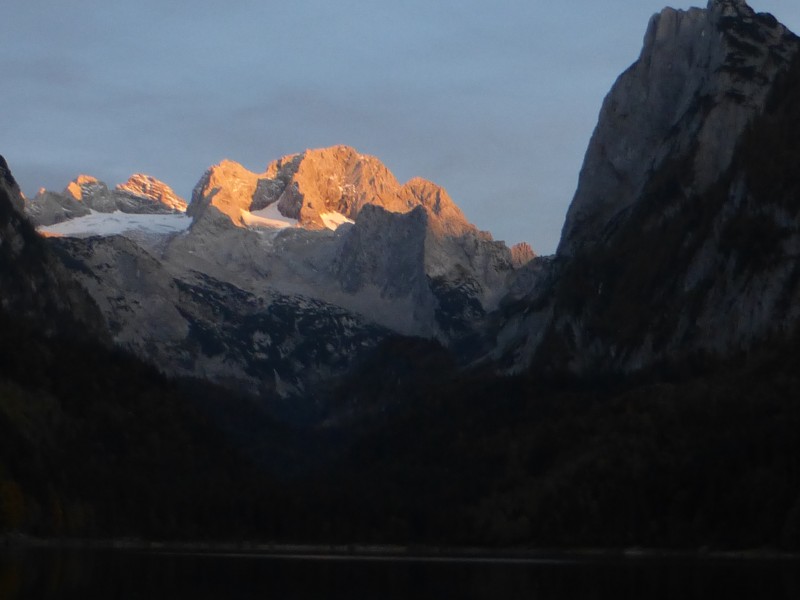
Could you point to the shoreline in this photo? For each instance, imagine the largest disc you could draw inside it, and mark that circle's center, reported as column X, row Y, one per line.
column 390, row 552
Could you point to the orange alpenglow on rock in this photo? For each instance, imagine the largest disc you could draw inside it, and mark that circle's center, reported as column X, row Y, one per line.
column 151, row 188
column 323, row 188
column 75, row 187
column 228, row 187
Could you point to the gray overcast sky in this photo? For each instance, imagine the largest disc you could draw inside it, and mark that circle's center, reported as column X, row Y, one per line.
column 496, row 100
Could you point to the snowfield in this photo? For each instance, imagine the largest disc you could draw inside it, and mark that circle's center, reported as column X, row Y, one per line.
column 117, row 223
column 268, row 217
column 332, row 220
column 271, row 218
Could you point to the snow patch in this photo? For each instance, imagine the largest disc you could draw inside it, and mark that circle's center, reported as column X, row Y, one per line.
column 117, row 223
column 332, row 220
column 267, row 217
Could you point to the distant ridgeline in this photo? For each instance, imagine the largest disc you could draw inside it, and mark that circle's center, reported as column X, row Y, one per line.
column 319, row 353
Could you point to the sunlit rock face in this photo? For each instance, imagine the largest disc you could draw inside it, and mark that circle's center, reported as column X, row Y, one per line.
column 75, row 188
column 227, row 187
column 682, row 240
column 145, row 186
column 332, row 180
column 319, row 189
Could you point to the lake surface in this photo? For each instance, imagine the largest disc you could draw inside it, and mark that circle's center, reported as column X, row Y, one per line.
column 119, row 574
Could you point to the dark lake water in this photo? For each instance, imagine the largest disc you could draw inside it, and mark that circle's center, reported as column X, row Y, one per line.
column 117, row 574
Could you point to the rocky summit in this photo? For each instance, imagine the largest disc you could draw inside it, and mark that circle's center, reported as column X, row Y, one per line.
column 158, row 192
column 319, row 189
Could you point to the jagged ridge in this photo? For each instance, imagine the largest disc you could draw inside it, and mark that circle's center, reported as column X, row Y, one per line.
column 315, row 186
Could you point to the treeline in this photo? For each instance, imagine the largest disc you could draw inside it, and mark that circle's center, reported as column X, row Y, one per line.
column 685, row 457
column 94, row 444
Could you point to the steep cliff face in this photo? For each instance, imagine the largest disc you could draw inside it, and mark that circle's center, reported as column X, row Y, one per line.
column 702, row 77
column 249, row 339
column 227, row 187
column 35, row 288
column 383, row 255
column 50, row 208
column 682, row 239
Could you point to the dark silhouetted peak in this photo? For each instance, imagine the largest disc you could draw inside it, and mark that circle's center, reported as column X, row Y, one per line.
column 5, row 173
column 37, row 291
column 10, row 184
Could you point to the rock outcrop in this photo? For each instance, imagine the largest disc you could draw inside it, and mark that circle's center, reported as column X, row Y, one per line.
column 49, row 208
column 227, row 187
column 158, row 192
column 383, row 255
column 521, row 254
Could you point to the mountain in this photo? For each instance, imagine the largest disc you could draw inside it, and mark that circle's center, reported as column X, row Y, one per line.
column 704, row 76
column 322, row 189
column 681, row 241
column 35, row 286
column 141, row 194
column 279, row 283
